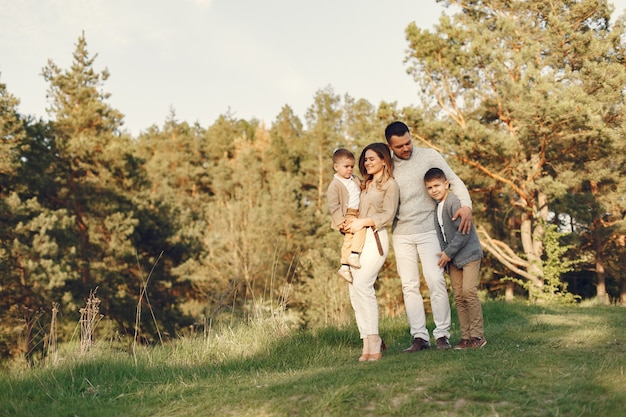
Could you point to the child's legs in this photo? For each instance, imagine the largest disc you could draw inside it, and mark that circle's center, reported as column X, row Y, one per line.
column 358, row 240
column 346, row 248
column 457, row 281
column 470, row 293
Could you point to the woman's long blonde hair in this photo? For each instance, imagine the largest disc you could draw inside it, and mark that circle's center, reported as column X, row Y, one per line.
column 382, row 150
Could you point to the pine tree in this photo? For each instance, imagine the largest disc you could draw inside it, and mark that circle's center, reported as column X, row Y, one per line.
column 98, row 181
column 529, row 94
column 324, row 134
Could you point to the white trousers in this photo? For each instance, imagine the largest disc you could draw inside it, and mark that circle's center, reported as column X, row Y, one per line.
column 409, row 250
column 362, row 294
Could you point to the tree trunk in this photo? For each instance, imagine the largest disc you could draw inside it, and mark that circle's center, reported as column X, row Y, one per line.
column 601, row 293
column 531, row 250
column 509, row 291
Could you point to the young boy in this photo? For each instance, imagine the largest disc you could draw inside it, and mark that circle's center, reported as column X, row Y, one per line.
column 343, row 196
column 461, row 256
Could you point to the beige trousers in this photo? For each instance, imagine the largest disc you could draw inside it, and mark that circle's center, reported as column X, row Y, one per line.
column 465, row 288
column 352, row 242
column 362, row 293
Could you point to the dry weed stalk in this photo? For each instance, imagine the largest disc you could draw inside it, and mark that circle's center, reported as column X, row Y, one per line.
column 144, row 293
column 53, row 352
column 89, row 318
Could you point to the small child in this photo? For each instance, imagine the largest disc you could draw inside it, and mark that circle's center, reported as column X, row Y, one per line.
column 461, row 257
column 343, row 196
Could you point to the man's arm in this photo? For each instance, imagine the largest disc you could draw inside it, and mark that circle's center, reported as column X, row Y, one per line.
column 466, row 219
column 460, row 190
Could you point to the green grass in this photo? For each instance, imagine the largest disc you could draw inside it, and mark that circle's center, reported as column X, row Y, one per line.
column 539, row 361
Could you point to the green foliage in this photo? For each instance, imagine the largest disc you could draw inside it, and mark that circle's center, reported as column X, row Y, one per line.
column 555, row 266
column 230, row 222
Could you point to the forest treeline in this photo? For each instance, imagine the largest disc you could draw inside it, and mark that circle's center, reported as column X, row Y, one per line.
column 184, row 225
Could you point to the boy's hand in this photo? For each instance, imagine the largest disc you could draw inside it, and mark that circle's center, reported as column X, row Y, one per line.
column 443, row 261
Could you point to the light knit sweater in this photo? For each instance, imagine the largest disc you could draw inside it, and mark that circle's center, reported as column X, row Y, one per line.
column 417, row 210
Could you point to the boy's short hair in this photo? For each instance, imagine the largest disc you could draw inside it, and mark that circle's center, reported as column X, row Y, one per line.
column 435, row 174
column 342, row 153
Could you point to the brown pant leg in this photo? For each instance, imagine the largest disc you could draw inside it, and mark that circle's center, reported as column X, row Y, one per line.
column 470, row 292
column 358, row 240
column 456, row 279
column 346, row 248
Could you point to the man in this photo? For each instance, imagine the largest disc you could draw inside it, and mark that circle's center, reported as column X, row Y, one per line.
column 414, row 236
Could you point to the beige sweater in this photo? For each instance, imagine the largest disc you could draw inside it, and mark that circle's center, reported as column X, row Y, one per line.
column 337, row 197
column 380, row 204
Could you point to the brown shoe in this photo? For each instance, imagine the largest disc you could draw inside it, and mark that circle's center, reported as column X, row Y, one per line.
column 463, row 344
column 417, row 345
column 477, row 342
column 443, row 343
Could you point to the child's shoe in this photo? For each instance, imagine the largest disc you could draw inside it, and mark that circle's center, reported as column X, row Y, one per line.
column 463, row 344
column 345, row 274
column 477, row 342
column 353, row 260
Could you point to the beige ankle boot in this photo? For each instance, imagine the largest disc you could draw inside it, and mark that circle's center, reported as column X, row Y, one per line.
column 365, row 354
column 376, row 344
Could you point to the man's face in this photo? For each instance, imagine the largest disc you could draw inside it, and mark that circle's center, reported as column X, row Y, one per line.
column 401, row 146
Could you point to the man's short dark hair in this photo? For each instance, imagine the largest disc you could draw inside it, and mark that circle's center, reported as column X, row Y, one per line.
column 435, row 174
column 395, row 129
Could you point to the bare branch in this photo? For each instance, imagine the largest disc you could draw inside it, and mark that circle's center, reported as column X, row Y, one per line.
column 523, row 194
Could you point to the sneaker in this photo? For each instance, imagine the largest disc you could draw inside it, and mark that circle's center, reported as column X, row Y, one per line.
column 443, row 343
column 463, row 344
column 477, row 342
column 417, row 345
column 345, row 274
column 353, row 261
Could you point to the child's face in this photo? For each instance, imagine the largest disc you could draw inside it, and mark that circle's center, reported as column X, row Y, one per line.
column 344, row 167
column 437, row 188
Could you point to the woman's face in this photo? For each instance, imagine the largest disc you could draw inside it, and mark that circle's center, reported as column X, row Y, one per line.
column 373, row 163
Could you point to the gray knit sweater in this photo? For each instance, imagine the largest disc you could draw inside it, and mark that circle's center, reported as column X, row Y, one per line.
column 416, row 211
column 462, row 249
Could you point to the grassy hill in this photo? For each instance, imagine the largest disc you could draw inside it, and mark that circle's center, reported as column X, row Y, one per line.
column 539, row 361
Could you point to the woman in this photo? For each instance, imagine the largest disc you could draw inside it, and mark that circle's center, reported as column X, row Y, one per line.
column 379, row 201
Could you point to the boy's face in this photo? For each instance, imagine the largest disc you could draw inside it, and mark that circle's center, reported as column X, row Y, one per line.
column 344, row 167
column 437, row 188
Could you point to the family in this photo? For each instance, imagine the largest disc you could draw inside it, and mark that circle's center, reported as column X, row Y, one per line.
column 428, row 207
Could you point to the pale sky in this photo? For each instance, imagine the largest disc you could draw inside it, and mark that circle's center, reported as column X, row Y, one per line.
column 204, row 58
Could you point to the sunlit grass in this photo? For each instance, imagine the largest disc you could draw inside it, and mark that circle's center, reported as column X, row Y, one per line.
column 539, row 361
